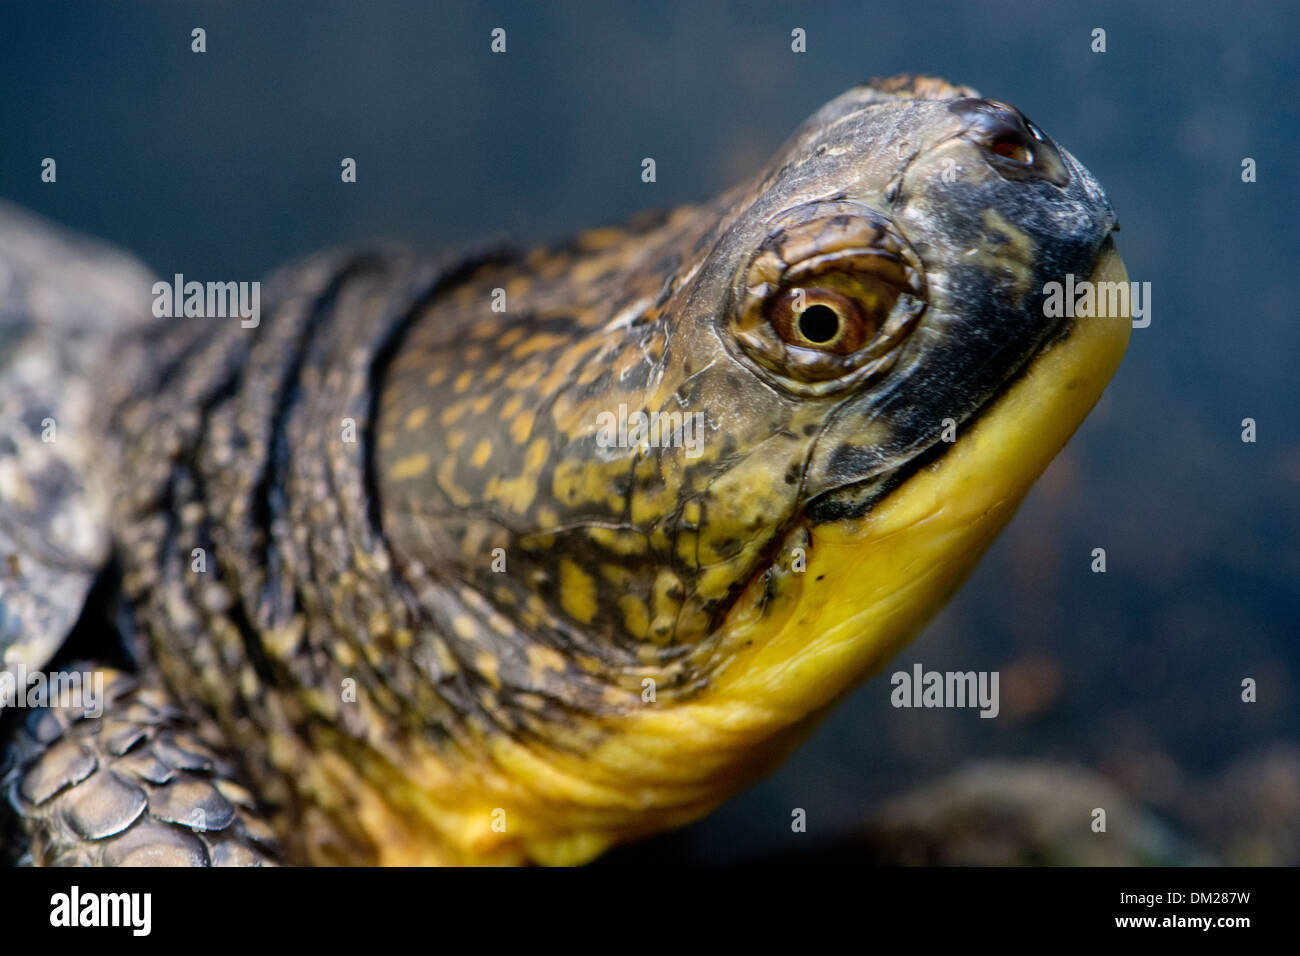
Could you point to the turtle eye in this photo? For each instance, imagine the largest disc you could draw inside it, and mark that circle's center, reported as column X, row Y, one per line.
column 822, row 318
column 826, row 299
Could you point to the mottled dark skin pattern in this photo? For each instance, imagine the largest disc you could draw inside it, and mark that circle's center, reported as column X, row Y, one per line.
column 377, row 548
column 246, row 457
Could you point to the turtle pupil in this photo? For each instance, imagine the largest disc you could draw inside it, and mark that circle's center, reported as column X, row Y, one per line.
column 818, row 323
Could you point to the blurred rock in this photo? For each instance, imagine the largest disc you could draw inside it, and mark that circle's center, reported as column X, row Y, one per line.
column 1005, row 813
column 1250, row 813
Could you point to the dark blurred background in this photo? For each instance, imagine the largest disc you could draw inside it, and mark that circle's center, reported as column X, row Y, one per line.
column 227, row 164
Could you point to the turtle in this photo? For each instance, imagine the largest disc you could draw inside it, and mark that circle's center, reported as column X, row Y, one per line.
column 504, row 556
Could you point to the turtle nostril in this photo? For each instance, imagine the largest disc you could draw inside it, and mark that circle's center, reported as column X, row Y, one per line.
column 1016, row 148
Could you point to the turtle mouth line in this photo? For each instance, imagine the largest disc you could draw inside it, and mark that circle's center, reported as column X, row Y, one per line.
column 859, row 496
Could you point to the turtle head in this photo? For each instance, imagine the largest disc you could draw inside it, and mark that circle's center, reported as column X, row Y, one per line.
column 719, row 469
column 871, row 344
column 896, row 377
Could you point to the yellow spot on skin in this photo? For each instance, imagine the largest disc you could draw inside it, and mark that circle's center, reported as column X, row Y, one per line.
column 577, row 592
column 471, row 544
column 540, row 542
column 464, row 627
column 453, row 412
column 446, row 663
column 416, row 417
column 597, row 239
column 688, row 545
column 522, row 427
column 542, row 659
column 511, row 337
column 482, row 452
column 591, row 371
column 588, row 482
column 463, row 381
column 518, row 492
column 691, row 512
column 517, row 286
column 494, row 372
column 1005, row 248
column 667, row 606
column 618, row 542
column 617, row 575
column 579, row 350
column 447, row 481
column 486, row 665
column 511, row 408
column 387, row 440
column 409, row 467
column 437, row 376
column 525, row 377
column 483, row 328
column 536, row 455
column 714, row 582
column 616, row 697
column 563, row 370
column 649, row 503
column 636, row 618
column 593, row 269
column 456, row 438
column 540, row 342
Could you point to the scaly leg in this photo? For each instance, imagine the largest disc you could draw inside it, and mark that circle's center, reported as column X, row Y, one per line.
column 134, row 786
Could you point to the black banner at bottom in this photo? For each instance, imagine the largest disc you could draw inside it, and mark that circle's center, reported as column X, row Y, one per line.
column 639, row 905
